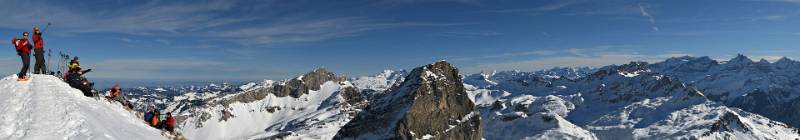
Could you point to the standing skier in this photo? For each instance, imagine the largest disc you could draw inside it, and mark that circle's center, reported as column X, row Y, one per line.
column 23, row 50
column 38, row 43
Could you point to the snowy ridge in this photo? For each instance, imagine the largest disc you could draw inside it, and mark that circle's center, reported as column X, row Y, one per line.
column 274, row 116
column 47, row 108
column 768, row 89
column 630, row 101
column 294, row 108
column 529, row 117
column 712, row 121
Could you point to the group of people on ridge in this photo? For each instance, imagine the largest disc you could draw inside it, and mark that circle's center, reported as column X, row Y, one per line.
column 23, row 47
column 160, row 121
column 74, row 77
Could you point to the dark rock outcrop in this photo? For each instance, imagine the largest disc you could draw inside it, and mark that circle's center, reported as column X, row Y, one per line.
column 432, row 103
column 351, row 95
column 310, row 81
column 293, row 87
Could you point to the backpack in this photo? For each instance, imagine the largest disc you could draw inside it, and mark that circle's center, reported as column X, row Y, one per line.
column 154, row 121
column 148, row 116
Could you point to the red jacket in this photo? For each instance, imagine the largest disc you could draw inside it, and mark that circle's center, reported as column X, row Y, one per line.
column 38, row 42
column 22, row 45
column 170, row 122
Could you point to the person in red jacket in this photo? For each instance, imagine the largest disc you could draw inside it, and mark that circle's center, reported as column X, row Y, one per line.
column 38, row 48
column 170, row 126
column 23, row 50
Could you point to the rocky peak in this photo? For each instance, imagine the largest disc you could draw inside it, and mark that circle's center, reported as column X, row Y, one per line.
column 319, row 76
column 763, row 61
column 309, row 81
column 633, row 67
column 784, row 60
column 685, row 64
column 430, row 103
column 729, row 122
column 740, row 60
column 292, row 87
column 764, row 66
column 785, row 63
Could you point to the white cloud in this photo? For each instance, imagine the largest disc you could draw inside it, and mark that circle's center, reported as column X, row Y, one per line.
column 202, row 19
column 650, row 17
column 575, row 57
column 302, row 30
column 470, row 34
column 174, row 68
column 151, row 18
column 552, row 6
column 466, row 2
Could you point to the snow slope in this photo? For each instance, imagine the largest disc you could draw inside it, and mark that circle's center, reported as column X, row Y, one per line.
column 275, row 116
column 46, row 108
column 530, row 117
column 630, row 101
column 713, row 121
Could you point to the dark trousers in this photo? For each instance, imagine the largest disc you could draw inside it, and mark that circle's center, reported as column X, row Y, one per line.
column 39, row 67
column 26, row 63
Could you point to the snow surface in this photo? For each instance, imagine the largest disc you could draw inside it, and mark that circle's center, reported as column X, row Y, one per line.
column 47, row 108
column 700, row 120
column 379, row 82
column 252, row 120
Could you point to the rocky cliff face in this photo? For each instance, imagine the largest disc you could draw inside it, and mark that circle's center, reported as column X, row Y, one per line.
column 311, row 106
column 309, row 81
column 430, row 104
column 292, row 87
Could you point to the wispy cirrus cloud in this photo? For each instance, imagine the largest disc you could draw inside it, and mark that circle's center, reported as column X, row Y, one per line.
column 551, row 6
column 303, row 30
column 155, row 17
column 394, row 2
column 650, row 18
column 263, row 25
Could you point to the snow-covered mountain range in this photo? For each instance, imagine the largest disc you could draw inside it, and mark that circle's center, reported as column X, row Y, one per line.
column 679, row 98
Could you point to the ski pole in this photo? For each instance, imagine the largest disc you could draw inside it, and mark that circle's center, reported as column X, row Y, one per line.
column 49, row 52
column 46, row 27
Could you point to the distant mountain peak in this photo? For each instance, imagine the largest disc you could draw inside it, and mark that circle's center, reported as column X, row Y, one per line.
column 740, row 59
column 763, row 61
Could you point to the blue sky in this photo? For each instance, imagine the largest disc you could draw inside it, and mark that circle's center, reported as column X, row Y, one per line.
column 255, row 40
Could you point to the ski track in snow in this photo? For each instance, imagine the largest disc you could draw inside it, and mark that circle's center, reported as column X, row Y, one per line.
column 46, row 108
